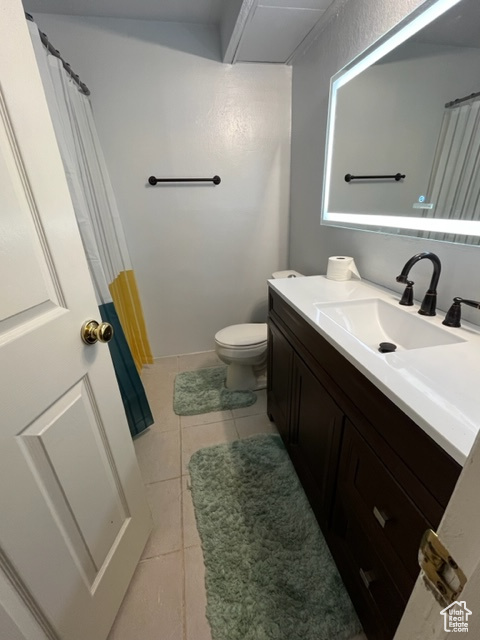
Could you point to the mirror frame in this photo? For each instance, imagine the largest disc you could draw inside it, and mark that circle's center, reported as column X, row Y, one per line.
column 398, row 225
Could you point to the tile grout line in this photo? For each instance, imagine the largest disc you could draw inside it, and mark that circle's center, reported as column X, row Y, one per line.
column 207, row 424
column 184, row 580
column 182, row 547
column 158, row 556
column 235, row 427
column 149, row 484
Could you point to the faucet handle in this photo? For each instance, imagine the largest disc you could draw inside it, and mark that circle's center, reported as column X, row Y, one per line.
column 453, row 317
column 469, row 303
column 407, row 297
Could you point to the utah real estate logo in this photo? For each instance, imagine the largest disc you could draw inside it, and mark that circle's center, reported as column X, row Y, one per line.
column 455, row 617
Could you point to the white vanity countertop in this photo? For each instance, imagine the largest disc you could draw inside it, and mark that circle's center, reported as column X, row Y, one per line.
column 438, row 387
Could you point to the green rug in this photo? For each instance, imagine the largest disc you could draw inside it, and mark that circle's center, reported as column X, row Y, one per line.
column 269, row 574
column 204, row 390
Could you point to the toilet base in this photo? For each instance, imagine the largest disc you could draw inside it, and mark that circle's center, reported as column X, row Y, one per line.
column 240, row 377
column 261, row 381
column 243, row 377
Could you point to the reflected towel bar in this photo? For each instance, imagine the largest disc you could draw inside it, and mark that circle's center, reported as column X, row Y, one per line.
column 397, row 177
column 153, row 181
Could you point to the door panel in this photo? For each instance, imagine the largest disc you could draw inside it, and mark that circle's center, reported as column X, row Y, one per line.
column 22, row 246
column 74, row 515
column 71, row 424
column 16, row 620
column 318, row 429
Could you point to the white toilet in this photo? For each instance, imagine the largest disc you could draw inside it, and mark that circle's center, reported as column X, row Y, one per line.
column 243, row 347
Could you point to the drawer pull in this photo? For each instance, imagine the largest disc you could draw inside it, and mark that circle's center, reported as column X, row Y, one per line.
column 368, row 577
column 381, row 517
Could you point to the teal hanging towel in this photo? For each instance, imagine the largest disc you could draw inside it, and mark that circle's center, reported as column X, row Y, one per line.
column 137, row 409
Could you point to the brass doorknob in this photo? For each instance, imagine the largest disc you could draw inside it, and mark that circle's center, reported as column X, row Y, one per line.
column 92, row 331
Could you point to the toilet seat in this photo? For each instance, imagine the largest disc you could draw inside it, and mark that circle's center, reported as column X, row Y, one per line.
column 242, row 336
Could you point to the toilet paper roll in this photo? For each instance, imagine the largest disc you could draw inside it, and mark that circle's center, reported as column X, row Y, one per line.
column 342, row 268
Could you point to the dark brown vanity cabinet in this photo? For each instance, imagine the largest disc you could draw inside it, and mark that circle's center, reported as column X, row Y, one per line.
column 308, row 420
column 280, row 358
column 314, row 439
column 374, row 479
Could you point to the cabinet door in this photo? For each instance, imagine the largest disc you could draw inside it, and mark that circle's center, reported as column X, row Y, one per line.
column 279, row 376
column 316, row 433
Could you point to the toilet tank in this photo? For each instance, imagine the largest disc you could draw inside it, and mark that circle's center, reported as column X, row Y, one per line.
column 287, row 273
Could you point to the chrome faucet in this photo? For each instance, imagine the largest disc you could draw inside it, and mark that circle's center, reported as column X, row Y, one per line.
column 429, row 303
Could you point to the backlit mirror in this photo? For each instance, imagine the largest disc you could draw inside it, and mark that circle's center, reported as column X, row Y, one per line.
column 403, row 145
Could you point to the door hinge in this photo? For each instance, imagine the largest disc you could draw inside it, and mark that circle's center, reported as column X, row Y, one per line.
column 441, row 574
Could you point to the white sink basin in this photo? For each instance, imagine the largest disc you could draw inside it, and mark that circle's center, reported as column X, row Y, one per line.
column 433, row 377
column 373, row 321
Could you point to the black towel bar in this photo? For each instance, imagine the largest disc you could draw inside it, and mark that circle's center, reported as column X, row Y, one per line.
column 397, row 177
column 153, row 181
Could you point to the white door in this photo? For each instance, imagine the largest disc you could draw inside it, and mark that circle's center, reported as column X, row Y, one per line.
column 73, row 515
column 459, row 531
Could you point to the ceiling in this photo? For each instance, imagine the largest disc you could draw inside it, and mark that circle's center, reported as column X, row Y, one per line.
column 271, row 29
column 275, row 28
column 197, row 11
column 251, row 30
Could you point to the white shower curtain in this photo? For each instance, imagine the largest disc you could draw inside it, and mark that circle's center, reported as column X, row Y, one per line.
column 454, row 186
column 101, row 229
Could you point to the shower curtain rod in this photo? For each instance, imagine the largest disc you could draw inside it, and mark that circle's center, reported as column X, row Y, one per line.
column 454, row 103
column 51, row 49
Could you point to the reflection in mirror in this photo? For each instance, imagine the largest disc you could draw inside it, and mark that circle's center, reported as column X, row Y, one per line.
column 411, row 106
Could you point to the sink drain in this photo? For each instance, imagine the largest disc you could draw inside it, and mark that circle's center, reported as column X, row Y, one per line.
column 387, row 347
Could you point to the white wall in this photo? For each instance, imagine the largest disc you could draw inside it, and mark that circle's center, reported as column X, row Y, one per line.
column 165, row 105
column 351, row 26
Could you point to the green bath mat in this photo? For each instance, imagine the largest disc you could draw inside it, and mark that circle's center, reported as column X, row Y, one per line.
column 269, row 573
column 204, row 390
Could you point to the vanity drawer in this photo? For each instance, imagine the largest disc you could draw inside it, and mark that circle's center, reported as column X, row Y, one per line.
column 378, row 601
column 393, row 521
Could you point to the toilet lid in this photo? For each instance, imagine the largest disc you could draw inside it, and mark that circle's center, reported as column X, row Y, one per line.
column 242, row 335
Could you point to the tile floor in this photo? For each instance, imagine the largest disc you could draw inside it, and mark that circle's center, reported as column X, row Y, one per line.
column 166, row 598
